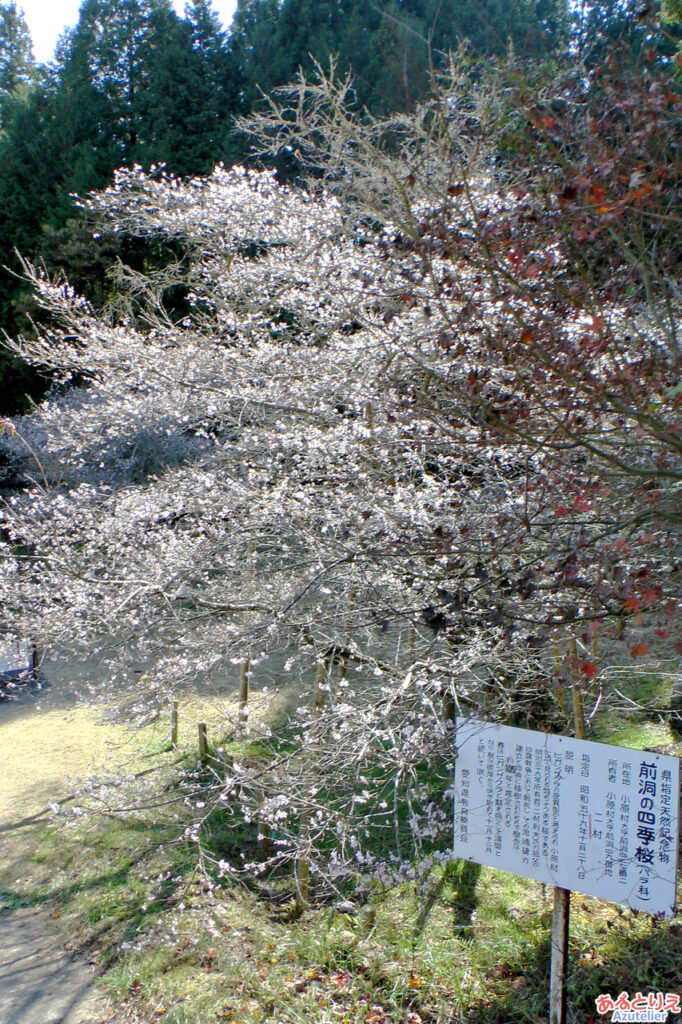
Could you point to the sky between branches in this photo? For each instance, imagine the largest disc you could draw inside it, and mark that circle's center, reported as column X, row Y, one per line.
column 47, row 20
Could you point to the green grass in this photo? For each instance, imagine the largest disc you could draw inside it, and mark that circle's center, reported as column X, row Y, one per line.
column 467, row 945
column 638, row 724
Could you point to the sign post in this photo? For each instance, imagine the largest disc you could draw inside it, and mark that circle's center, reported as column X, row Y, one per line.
column 573, row 814
column 559, row 962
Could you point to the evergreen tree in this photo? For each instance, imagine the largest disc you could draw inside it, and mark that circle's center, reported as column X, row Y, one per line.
column 27, row 196
column 17, row 66
column 89, row 136
column 600, row 26
column 391, row 47
column 255, row 49
column 488, row 27
column 117, row 39
column 191, row 91
column 220, row 76
column 160, row 87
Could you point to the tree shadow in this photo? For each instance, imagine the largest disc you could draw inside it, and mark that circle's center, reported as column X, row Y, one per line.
column 462, row 877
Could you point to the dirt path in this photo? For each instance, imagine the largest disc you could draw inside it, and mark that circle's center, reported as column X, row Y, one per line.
column 42, row 744
column 40, row 982
column 47, row 743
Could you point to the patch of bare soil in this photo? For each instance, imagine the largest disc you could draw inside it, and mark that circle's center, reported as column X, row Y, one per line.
column 41, row 982
column 43, row 744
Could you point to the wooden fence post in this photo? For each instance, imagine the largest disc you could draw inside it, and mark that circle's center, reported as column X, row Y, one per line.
column 303, row 860
column 244, row 681
column 174, row 725
column 203, row 744
column 303, row 866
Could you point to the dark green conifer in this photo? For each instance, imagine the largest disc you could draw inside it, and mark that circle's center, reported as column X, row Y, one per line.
column 18, row 70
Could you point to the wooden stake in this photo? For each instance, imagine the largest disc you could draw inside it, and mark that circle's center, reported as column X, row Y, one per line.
column 559, row 962
column 303, row 866
column 244, row 679
column 203, row 743
column 321, row 685
column 302, row 883
column 264, row 833
column 303, row 862
column 174, row 724
column 264, row 838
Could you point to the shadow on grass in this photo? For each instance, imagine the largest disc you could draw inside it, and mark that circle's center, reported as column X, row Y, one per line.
column 464, row 876
column 124, row 897
column 460, row 876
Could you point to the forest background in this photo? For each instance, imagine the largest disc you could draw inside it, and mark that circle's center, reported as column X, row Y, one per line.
column 134, row 83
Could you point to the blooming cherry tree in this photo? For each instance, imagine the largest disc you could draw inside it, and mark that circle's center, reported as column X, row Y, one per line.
column 396, row 446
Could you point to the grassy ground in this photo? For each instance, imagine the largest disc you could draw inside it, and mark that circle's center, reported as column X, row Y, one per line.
column 174, row 944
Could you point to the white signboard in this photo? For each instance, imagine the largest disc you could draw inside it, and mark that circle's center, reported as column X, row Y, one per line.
column 15, row 657
column 598, row 819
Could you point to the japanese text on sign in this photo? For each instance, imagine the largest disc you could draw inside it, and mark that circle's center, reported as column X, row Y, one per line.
column 600, row 819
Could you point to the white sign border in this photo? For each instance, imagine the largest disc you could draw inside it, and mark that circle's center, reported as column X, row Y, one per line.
column 601, row 831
